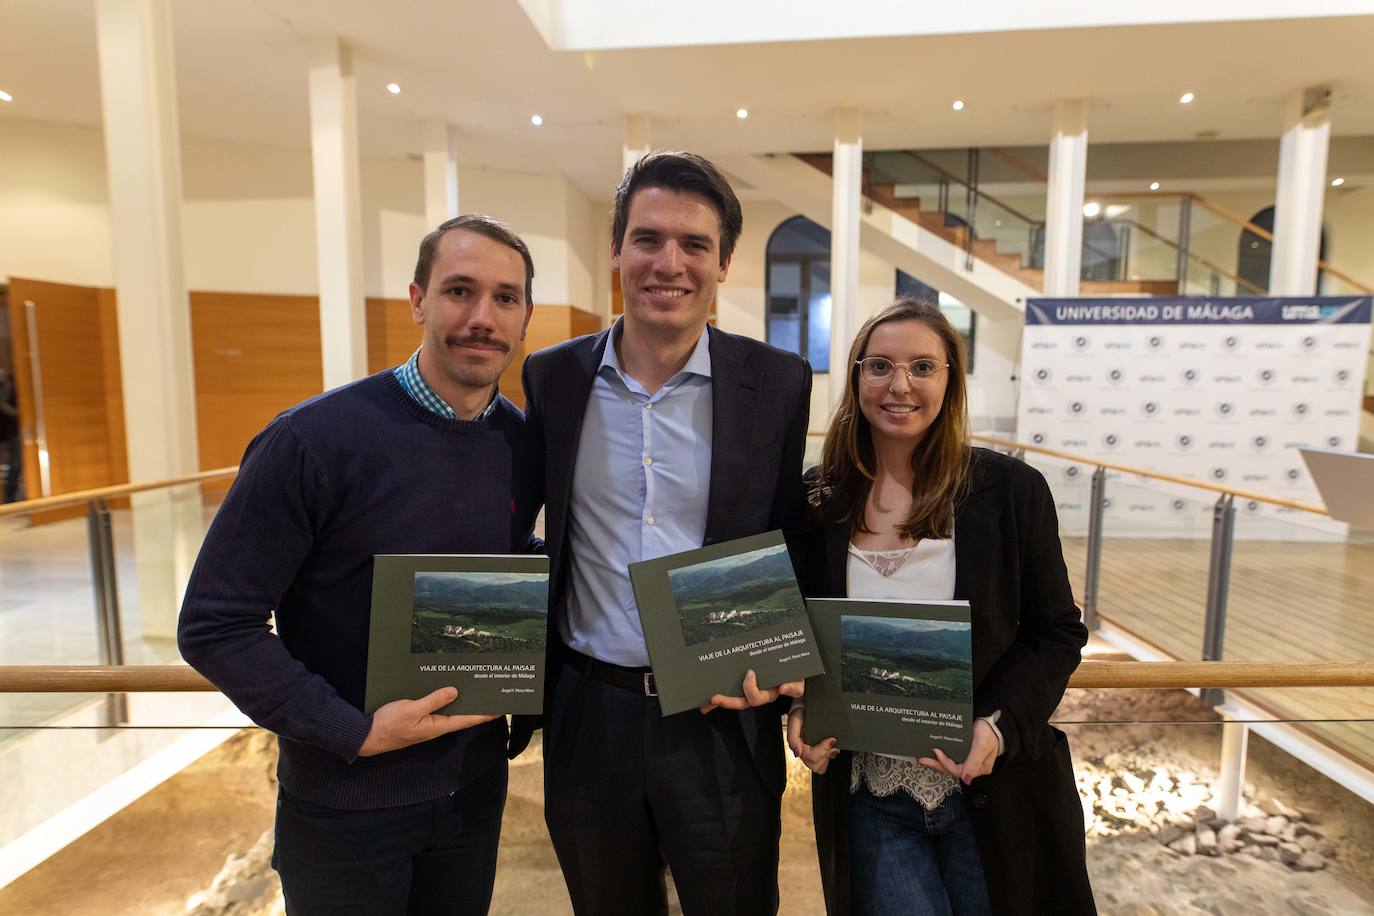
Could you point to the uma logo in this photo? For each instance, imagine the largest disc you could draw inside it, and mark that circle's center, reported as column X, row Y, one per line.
column 1189, row 376
column 1072, row 472
column 1081, row 342
column 1077, row 408
column 1309, row 342
column 1218, row 473
column 1230, row 342
column 1043, row 375
column 1149, row 409
column 1342, row 376
column 1037, row 438
column 1184, row 442
column 1225, row 409
column 1259, row 443
column 1301, row 409
column 1334, row 442
column 1155, row 342
column 1116, row 376
column 1178, row 506
column 1292, row 475
column 1265, row 376
column 1111, row 441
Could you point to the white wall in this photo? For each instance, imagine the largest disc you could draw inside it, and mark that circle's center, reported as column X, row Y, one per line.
column 249, row 221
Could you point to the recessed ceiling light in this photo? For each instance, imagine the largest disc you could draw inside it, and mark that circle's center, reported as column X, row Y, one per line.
column 997, row 222
column 5, row 96
column 1154, row 186
column 958, row 105
column 1337, row 182
column 742, row 113
column 1091, row 209
column 393, row 88
column 536, row 120
column 1186, row 98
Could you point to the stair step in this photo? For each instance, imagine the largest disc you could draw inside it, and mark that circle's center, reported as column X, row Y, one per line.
column 823, row 161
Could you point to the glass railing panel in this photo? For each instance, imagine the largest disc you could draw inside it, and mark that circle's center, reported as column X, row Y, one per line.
column 1148, row 766
column 48, row 605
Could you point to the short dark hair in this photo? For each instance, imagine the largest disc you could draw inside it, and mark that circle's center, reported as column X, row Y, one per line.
column 686, row 172
column 481, row 224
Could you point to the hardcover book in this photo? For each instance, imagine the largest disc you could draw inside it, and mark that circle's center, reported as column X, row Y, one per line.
column 477, row 623
column 711, row 614
column 899, row 677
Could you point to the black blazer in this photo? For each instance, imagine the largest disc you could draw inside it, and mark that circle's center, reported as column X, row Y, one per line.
column 1027, row 635
column 761, row 404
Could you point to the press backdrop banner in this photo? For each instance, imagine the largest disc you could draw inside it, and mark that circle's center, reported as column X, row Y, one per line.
column 1224, row 390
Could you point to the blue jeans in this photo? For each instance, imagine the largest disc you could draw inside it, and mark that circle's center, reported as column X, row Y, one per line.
column 908, row 861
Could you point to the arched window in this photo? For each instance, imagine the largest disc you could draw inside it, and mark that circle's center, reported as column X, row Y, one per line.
column 798, row 290
column 1256, row 253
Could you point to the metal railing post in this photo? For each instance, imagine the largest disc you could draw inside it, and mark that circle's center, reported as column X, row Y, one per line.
column 1218, row 585
column 1096, row 510
column 1185, row 226
column 109, row 628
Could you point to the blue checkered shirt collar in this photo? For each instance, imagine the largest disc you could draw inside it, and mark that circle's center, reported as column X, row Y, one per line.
column 408, row 374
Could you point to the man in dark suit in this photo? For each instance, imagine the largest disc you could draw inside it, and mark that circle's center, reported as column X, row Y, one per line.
column 660, row 435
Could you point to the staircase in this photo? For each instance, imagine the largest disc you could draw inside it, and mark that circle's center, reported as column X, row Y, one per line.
column 955, row 230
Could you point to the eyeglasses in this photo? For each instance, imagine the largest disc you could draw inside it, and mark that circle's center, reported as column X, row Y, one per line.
column 878, row 370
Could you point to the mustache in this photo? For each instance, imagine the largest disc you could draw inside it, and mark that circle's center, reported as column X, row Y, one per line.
column 485, row 340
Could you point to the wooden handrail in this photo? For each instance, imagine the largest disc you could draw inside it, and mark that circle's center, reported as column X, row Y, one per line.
column 1091, row 674
column 1191, row 255
column 1231, row 217
column 1012, row 445
column 29, row 506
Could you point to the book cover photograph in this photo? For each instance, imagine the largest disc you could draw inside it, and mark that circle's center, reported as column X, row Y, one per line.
column 900, row 677
column 477, row 623
column 711, row 614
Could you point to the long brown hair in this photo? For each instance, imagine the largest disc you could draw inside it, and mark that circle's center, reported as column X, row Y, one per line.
column 941, row 458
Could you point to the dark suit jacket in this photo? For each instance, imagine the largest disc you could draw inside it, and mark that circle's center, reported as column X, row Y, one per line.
column 761, row 400
column 1027, row 634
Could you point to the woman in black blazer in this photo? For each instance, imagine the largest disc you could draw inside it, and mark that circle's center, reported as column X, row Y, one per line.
column 1002, row 830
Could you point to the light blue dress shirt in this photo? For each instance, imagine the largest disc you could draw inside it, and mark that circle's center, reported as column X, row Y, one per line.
column 639, row 491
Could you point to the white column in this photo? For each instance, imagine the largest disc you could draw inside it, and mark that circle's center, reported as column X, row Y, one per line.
column 441, row 174
column 338, row 211
column 1064, row 198
column 845, row 203
column 636, row 144
column 1301, row 193
column 143, row 159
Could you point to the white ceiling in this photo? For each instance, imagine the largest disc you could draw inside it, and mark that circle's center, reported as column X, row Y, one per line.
column 482, row 65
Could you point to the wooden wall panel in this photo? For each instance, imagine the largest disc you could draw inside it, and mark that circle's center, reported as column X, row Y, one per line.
column 550, row 324
column 255, row 355
column 78, row 357
column 392, row 335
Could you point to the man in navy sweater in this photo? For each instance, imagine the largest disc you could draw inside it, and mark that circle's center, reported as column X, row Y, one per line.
column 398, row 811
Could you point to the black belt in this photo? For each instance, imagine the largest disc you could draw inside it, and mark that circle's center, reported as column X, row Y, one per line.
column 636, row 680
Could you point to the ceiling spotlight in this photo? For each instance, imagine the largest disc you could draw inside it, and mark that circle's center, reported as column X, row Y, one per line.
column 1154, row 186
column 997, row 222
column 1186, row 98
column 393, row 88
column 742, row 113
column 958, row 105
column 5, row 96
column 1335, row 182
column 536, row 120
column 1091, row 209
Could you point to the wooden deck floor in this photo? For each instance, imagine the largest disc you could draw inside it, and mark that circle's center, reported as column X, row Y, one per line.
column 1287, row 601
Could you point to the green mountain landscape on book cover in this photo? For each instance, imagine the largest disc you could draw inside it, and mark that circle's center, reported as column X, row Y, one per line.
column 478, row 612
column 919, row 659
column 727, row 597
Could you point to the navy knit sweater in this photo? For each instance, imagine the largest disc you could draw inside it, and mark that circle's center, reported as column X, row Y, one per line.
column 357, row 471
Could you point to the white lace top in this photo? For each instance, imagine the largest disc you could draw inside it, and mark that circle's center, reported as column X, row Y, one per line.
column 922, row 571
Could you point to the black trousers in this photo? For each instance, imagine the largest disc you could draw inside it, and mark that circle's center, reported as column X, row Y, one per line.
column 434, row 857
column 627, row 791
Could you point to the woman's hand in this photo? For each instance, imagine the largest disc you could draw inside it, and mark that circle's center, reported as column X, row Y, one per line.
column 981, row 755
column 817, row 758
